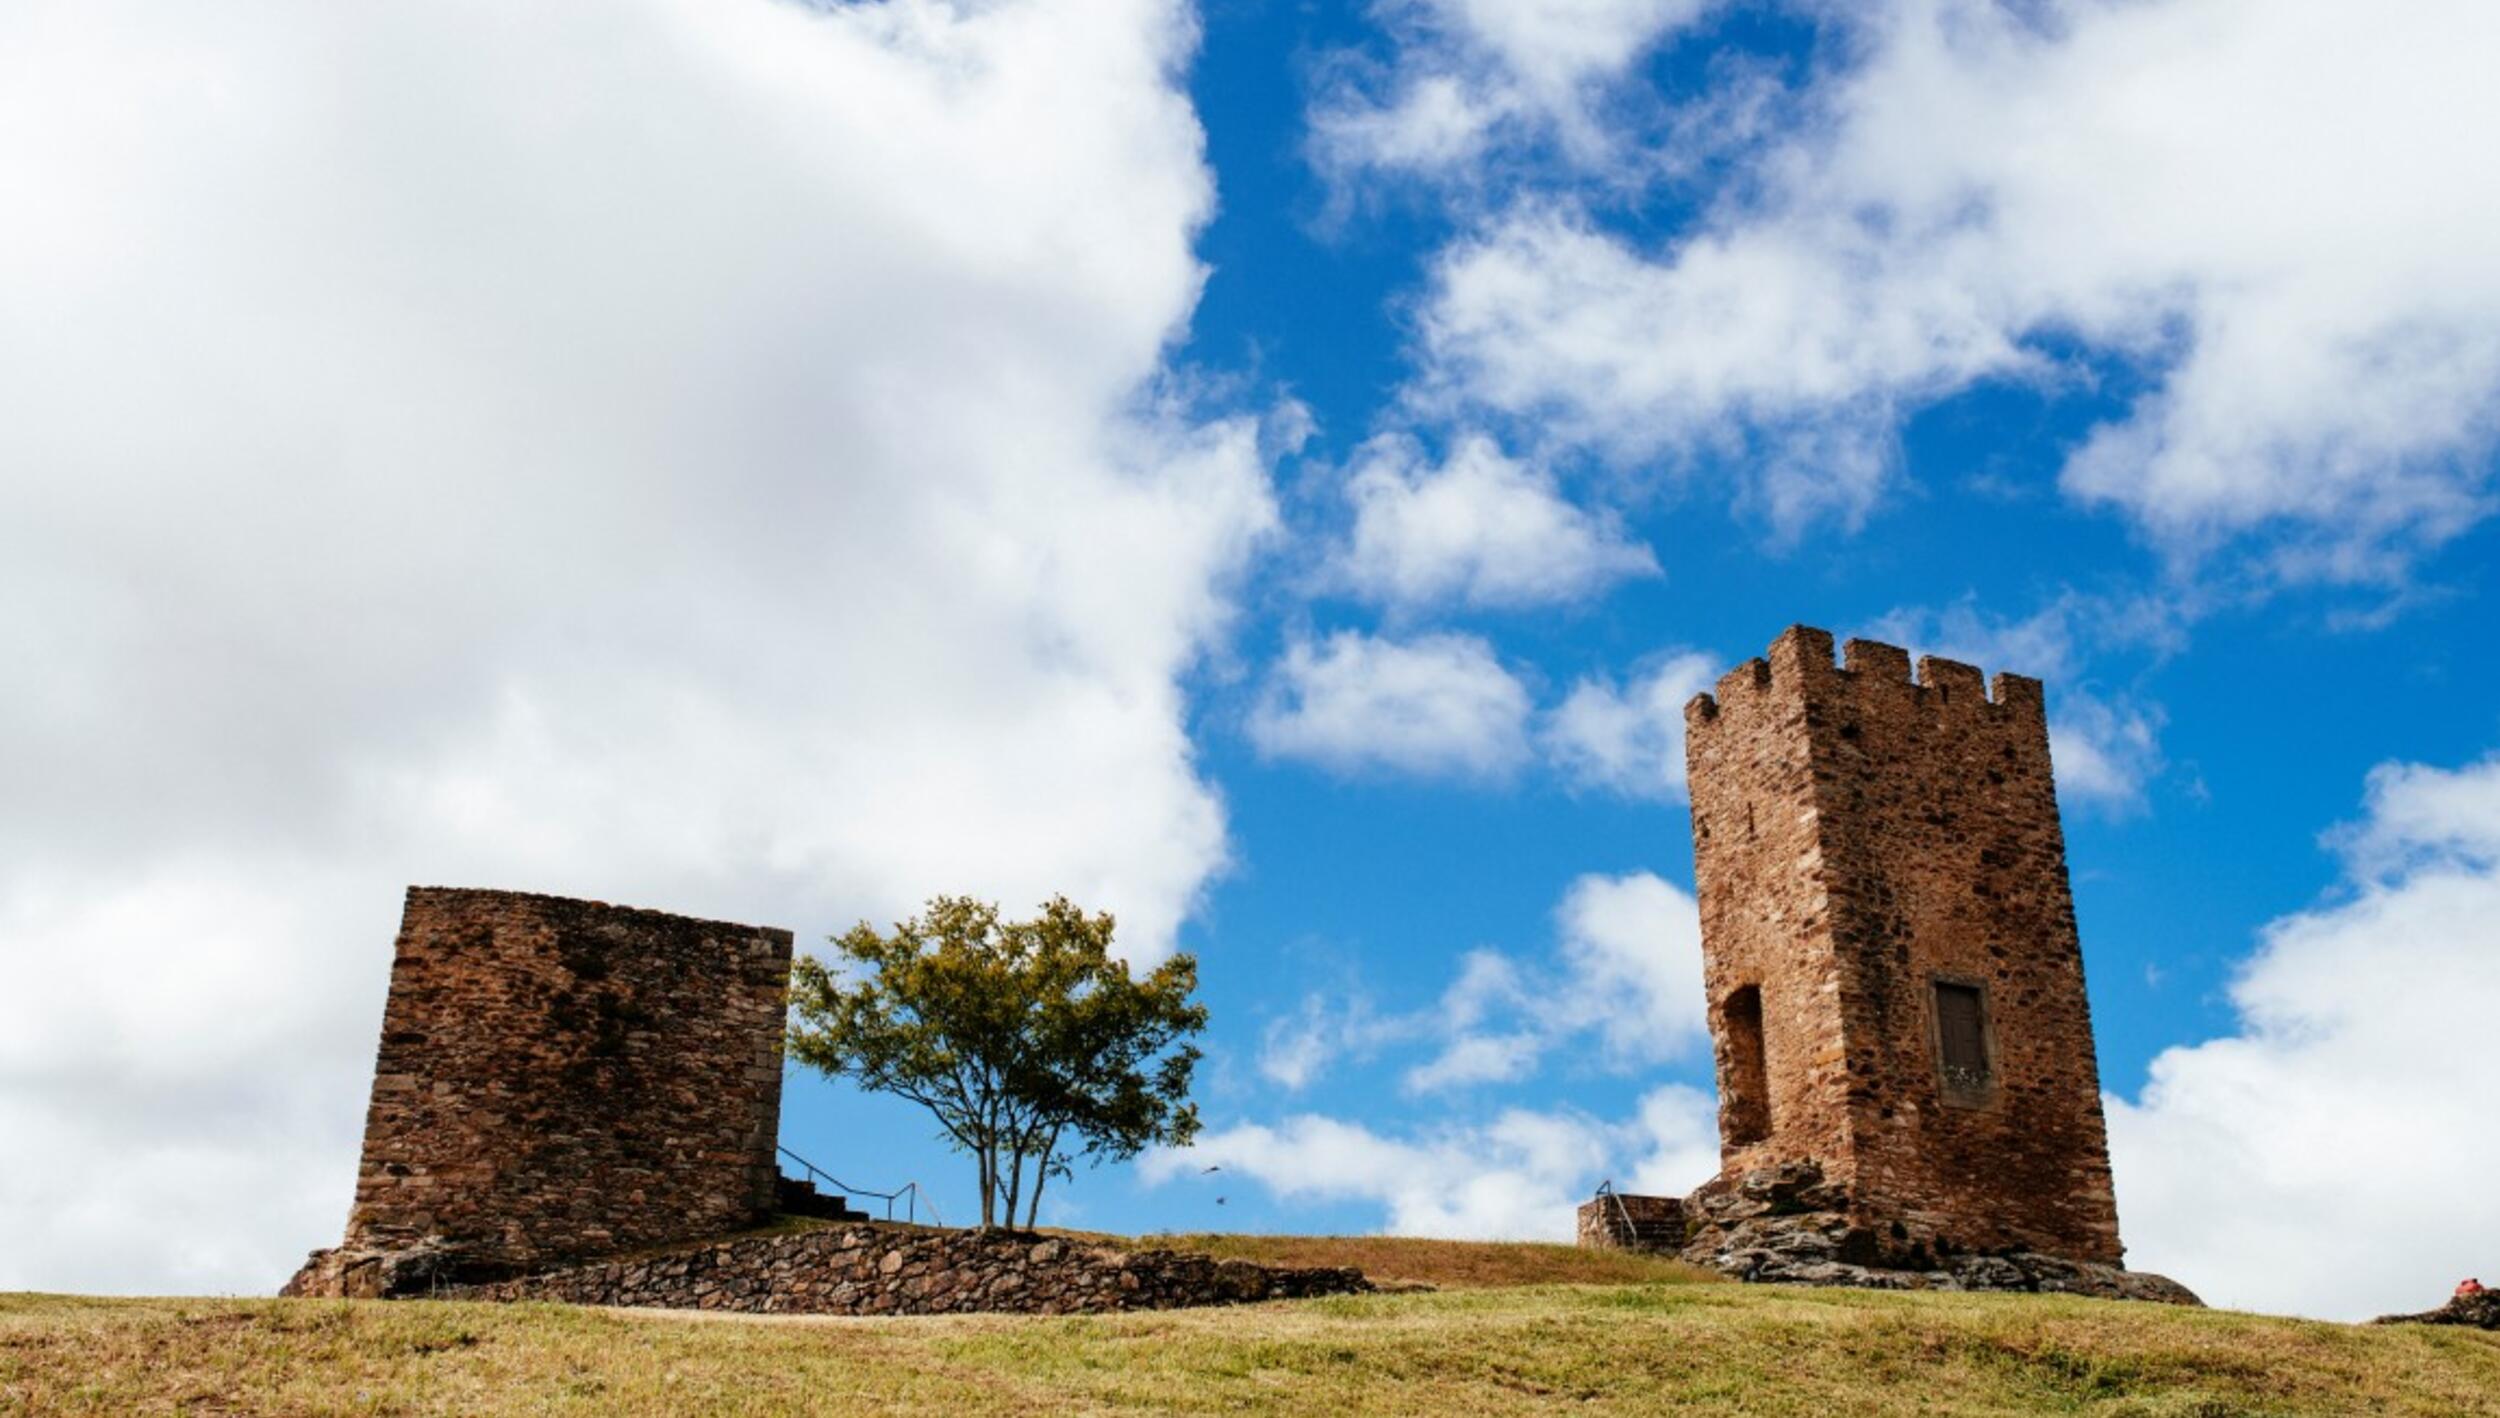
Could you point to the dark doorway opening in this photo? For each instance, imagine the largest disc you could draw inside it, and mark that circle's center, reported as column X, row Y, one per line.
column 1744, row 1078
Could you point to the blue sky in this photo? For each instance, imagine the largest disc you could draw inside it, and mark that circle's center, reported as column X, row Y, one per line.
column 2265, row 704
column 1272, row 470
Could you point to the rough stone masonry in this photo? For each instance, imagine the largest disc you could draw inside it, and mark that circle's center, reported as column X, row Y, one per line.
column 577, row 1101
column 1908, row 1093
column 911, row 1270
column 561, row 1079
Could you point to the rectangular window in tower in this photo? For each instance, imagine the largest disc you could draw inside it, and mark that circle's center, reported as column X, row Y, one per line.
column 1962, row 1038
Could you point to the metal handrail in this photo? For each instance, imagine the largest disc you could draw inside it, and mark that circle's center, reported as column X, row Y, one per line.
column 911, row 1194
column 1631, row 1229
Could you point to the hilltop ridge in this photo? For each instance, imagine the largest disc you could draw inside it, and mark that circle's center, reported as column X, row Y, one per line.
column 1654, row 1337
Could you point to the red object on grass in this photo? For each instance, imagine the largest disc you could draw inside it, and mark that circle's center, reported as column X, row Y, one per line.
column 2469, row 1287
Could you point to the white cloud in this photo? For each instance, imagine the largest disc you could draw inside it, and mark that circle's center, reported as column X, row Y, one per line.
column 2104, row 753
column 2333, row 1156
column 1553, row 45
column 1626, row 969
column 1734, row 344
column 704, row 455
column 1469, row 74
column 1435, row 705
column 1471, row 1059
column 1631, row 947
column 1487, row 981
column 1629, row 739
column 2262, row 204
column 1295, row 1050
column 1517, row 1176
column 1482, row 529
column 2426, row 817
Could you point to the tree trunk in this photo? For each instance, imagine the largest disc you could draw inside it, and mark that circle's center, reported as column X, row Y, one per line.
column 1050, row 1148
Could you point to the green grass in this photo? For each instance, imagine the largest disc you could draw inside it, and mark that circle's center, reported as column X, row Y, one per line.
column 1645, row 1348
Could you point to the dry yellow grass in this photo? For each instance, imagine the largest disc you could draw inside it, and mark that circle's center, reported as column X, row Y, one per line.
column 1595, row 1349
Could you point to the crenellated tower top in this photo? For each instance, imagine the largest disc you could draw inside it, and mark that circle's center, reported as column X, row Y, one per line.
column 1799, row 665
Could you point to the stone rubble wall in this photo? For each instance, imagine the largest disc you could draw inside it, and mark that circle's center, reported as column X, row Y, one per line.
column 2479, row 1310
column 560, row 1079
column 1786, row 1225
column 906, row 1270
column 1617, row 1221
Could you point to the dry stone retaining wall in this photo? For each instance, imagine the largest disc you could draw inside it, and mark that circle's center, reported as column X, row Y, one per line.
column 903, row 1270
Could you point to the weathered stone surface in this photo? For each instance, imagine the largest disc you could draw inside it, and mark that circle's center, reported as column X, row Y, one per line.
column 560, row 1079
column 906, row 1270
column 360, row 1273
column 1861, row 838
column 2480, row 1310
column 1787, row 1225
column 1618, row 1221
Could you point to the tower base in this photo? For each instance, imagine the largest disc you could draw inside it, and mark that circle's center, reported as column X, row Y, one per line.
column 1785, row 1225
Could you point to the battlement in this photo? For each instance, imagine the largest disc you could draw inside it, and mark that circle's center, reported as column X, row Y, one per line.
column 1799, row 667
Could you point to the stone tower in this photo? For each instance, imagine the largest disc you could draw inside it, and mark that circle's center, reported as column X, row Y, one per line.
column 560, row 1079
column 1895, row 985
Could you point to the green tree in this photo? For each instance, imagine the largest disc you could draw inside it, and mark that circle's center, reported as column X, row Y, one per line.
column 1030, row 1043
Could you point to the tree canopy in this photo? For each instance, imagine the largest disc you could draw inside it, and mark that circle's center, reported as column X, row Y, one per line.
column 1029, row 1041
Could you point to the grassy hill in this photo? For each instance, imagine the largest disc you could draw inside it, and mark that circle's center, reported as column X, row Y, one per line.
column 1595, row 1333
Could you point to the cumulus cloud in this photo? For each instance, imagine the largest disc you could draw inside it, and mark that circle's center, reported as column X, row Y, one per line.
column 1629, row 738
column 1517, row 1176
column 2104, row 753
column 1631, row 947
column 1433, row 706
column 1297, row 1049
column 1483, row 530
column 1294, row 1050
column 1626, row 970
column 2425, row 817
column 1470, row 74
column 1623, row 974
column 2161, row 184
column 1444, row 705
column 2332, row 1156
column 733, row 479
column 1473, row 1058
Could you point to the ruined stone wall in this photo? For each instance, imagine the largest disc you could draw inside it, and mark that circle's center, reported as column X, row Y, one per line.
column 1623, row 1222
column 1861, row 836
column 560, row 1079
column 899, row 1270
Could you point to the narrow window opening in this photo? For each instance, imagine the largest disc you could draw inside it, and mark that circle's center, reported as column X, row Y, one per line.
column 1744, row 1081
column 1962, row 1037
